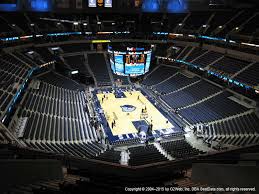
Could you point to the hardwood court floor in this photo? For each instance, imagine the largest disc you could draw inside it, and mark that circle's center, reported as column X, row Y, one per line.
column 113, row 111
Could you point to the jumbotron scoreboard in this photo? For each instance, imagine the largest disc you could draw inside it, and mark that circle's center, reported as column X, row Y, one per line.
column 130, row 60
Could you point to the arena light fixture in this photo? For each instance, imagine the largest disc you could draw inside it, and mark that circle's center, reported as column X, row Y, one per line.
column 54, row 48
column 85, row 24
column 32, row 24
column 180, row 24
column 75, row 23
column 10, row 38
column 220, row 27
column 30, row 52
column 46, row 64
column 26, row 37
column 250, row 44
column 104, row 32
column 173, row 34
column 100, row 41
column 74, row 72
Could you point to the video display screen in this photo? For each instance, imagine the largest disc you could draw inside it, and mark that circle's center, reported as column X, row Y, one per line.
column 148, row 61
column 111, row 57
column 135, row 64
column 118, row 64
column 132, row 62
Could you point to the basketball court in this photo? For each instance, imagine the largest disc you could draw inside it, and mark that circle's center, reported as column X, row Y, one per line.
column 127, row 111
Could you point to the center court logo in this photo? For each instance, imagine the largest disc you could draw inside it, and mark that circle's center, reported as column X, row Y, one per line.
column 128, row 108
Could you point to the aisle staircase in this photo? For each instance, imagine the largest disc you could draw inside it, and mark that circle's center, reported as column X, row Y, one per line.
column 163, row 152
column 109, row 68
column 89, row 69
column 124, row 158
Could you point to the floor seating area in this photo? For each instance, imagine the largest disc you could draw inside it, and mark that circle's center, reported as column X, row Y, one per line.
column 126, row 142
column 123, row 79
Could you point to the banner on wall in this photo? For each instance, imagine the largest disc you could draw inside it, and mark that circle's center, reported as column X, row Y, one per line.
column 8, row 5
column 91, row 3
column 100, row 3
column 138, row 3
column 40, row 5
column 108, row 3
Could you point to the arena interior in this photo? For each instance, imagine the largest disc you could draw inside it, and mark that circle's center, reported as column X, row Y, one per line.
column 120, row 96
